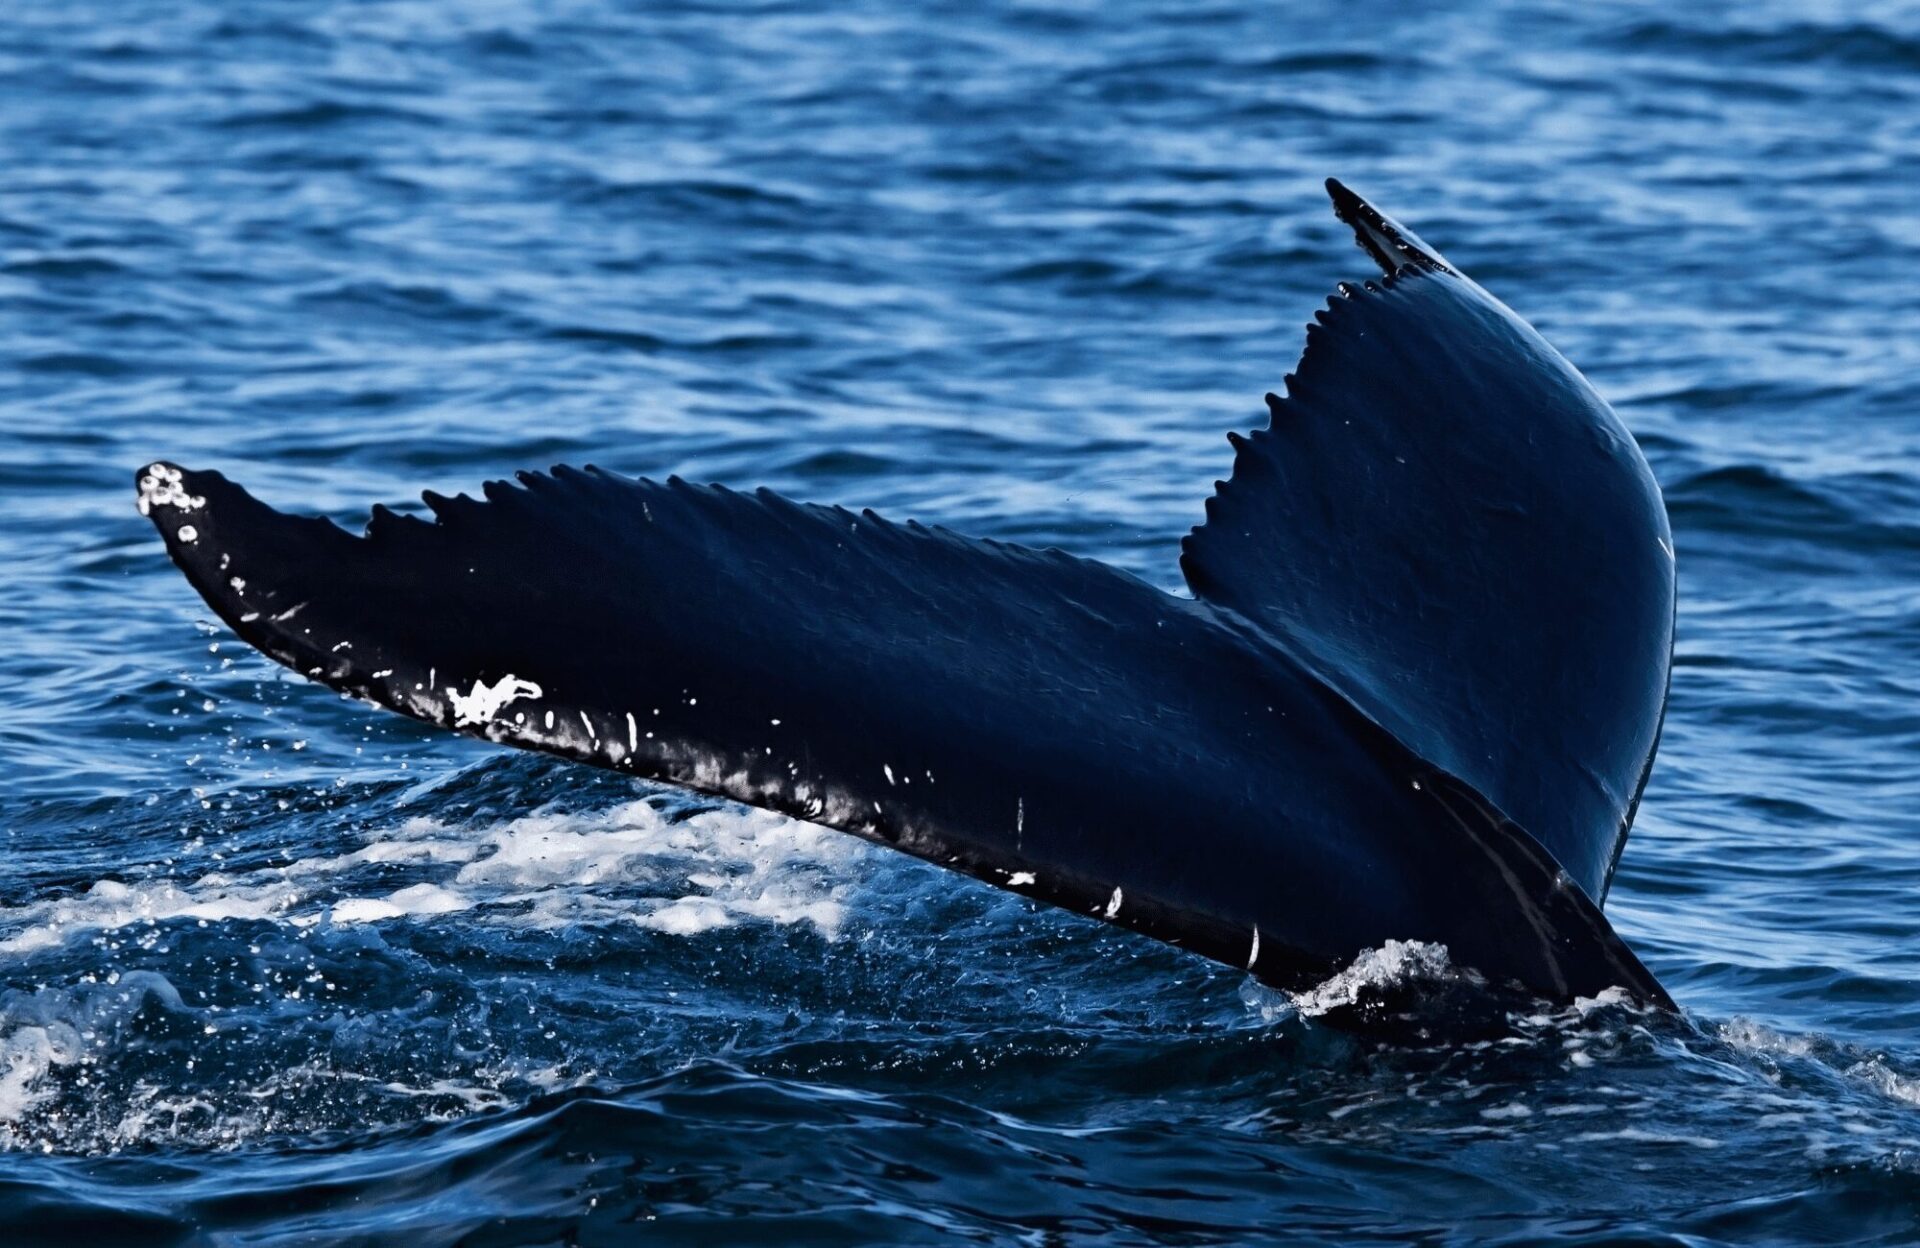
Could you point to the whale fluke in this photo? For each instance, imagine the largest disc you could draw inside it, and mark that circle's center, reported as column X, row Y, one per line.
column 1446, row 523
column 1393, row 246
column 1414, row 696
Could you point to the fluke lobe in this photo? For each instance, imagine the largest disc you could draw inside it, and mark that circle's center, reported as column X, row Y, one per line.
column 1415, row 694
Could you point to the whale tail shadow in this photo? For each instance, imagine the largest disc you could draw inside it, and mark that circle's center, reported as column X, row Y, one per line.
column 1415, row 695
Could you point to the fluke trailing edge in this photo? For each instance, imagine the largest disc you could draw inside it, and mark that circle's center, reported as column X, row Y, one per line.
column 1415, row 695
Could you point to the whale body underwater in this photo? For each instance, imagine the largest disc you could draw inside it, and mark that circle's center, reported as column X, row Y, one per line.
column 1415, row 694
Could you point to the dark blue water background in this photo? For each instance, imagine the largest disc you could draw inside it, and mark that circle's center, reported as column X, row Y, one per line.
column 277, row 967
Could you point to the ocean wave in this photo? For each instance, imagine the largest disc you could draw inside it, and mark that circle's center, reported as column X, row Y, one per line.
column 1860, row 45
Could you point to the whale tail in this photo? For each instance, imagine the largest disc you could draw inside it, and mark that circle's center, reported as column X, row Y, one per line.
column 1445, row 522
column 1328, row 747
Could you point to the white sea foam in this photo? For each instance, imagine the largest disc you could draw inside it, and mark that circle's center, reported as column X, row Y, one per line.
column 60, row 1027
column 416, row 899
column 630, row 863
column 1395, row 963
column 1875, row 1073
column 26, row 1055
column 1270, row 1004
column 1640, row 1135
column 629, row 866
column 110, row 905
column 1753, row 1037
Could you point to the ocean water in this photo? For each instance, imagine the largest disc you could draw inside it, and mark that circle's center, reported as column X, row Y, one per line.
column 278, row 968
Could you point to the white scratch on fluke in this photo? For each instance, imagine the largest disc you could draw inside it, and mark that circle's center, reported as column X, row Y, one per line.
column 1113, row 904
column 484, row 702
column 1020, row 878
column 1254, row 955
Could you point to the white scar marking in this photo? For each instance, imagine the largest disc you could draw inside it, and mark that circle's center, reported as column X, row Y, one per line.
column 1113, row 904
column 189, row 534
column 591, row 734
column 484, row 702
column 633, row 734
column 888, row 768
column 289, row 613
column 1019, row 878
column 1255, row 955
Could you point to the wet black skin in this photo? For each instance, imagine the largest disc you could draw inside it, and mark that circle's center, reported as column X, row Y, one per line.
column 1415, row 695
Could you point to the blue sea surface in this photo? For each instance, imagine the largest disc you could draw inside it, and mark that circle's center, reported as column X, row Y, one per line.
column 276, row 967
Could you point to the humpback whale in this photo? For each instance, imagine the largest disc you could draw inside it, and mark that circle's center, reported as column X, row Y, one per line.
column 1414, row 694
